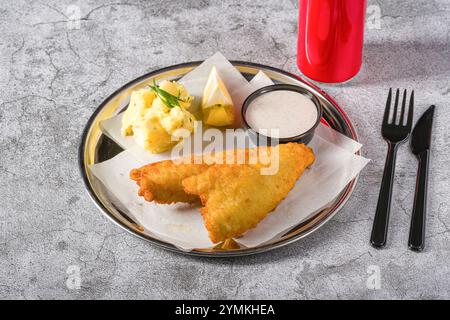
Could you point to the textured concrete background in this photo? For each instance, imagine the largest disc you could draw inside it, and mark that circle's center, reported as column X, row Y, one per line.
column 54, row 75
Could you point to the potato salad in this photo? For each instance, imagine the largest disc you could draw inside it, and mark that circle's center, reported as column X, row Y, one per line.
column 158, row 116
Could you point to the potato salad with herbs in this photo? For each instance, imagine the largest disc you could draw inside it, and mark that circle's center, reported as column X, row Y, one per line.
column 158, row 117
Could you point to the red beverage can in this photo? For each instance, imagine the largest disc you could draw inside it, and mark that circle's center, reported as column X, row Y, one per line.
column 330, row 39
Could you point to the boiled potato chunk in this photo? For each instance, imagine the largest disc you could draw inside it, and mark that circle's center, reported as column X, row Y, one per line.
column 150, row 135
column 219, row 115
column 140, row 101
column 177, row 118
column 178, row 90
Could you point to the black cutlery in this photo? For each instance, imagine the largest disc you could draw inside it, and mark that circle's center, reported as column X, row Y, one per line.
column 420, row 146
column 395, row 131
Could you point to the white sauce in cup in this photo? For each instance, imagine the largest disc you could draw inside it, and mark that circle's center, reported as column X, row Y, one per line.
column 291, row 112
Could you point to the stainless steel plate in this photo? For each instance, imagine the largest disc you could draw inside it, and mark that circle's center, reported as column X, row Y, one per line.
column 96, row 147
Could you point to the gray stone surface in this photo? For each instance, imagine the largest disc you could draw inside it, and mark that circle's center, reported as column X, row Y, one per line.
column 53, row 76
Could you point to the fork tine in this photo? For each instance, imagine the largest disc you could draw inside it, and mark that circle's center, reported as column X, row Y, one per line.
column 388, row 107
column 402, row 113
column 394, row 115
column 411, row 110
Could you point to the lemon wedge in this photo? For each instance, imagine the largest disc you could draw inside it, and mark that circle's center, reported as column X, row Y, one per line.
column 217, row 105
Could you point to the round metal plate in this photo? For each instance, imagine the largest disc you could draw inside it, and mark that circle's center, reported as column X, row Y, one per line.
column 96, row 147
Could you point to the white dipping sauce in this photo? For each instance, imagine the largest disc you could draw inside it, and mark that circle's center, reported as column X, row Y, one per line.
column 292, row 113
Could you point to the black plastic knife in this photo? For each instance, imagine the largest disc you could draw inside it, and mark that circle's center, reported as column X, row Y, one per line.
column 420, row 146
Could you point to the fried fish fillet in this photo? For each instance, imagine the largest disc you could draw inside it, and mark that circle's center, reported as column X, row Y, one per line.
column 236, row 198
column 161, row 181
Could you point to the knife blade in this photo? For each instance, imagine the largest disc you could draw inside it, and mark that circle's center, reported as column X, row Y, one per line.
column 421, row 134
column 420, row 146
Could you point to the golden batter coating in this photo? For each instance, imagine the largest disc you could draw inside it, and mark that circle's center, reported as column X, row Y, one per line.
column 161, row 181
column 237, row 197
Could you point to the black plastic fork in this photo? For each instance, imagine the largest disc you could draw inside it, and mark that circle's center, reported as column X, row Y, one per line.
column 395, row 131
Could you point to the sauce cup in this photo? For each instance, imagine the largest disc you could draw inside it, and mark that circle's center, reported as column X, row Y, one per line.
column 302, row 137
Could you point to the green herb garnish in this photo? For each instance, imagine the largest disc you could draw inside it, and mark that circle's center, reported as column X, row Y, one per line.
column 167, row 98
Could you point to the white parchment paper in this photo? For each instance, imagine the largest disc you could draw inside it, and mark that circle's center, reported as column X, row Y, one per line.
column 182, row 225
column 239, row 89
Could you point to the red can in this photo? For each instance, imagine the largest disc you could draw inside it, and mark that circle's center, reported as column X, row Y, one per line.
column 330, row 39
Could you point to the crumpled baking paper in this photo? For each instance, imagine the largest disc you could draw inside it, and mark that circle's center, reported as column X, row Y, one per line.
column 181, row 224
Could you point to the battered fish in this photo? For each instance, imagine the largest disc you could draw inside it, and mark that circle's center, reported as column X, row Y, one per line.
column 237, row 197
column 161, row 181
